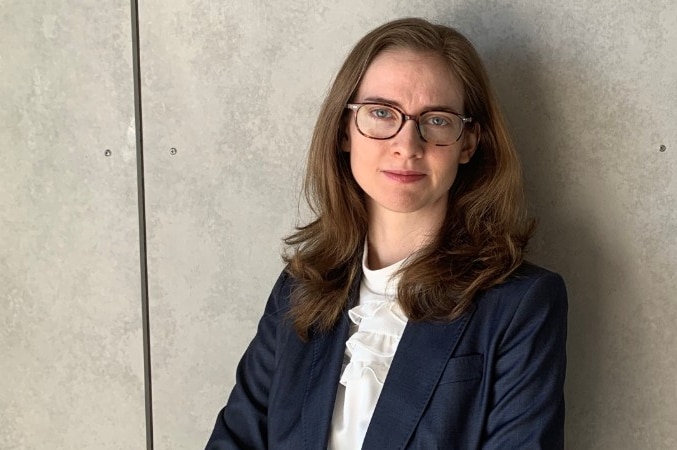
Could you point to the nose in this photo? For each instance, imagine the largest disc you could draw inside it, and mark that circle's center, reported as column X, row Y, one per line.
column 408, row 142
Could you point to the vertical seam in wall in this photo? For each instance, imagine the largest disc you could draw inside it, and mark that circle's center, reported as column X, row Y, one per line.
column 142, row 225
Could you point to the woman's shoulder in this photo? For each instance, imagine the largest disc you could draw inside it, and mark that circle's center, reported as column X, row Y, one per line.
column 529, row 287
column 280, row 294
column 529, row 276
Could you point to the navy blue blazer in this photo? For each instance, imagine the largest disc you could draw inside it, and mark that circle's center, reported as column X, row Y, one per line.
column 491, row 379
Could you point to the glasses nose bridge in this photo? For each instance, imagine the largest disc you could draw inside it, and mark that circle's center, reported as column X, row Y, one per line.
column 415, row 119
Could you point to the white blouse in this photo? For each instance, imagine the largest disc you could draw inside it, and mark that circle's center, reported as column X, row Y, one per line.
column 378, row 324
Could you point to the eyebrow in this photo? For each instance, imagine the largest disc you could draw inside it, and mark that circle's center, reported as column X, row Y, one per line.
column 399, row 105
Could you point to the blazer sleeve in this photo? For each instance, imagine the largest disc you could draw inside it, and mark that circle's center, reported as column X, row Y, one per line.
column 242, row 423
column 528, row 394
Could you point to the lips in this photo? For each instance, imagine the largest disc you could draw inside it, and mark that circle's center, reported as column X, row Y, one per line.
column 404, row 176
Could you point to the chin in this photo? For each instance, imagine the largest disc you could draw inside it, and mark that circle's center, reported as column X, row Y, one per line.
column 411, row 205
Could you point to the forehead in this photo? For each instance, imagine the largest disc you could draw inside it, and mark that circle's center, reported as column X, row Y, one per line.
column 413, row 80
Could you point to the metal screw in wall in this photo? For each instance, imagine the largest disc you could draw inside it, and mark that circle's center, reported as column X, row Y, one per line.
column 662, row 148
column 172, row 151
column 107, row 152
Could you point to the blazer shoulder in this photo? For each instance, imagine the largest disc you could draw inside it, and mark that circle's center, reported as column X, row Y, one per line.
column 529, row 286
column 529, row 276
column 280, row 295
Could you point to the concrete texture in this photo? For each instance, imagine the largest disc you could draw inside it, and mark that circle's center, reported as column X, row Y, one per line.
column 589, row 89
column 70, row 325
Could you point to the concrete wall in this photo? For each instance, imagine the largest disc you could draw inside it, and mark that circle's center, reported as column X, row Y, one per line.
column 589, row 88
column 71, row 364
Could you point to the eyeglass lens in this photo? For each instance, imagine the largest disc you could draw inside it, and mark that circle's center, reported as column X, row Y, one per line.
column 383, row 122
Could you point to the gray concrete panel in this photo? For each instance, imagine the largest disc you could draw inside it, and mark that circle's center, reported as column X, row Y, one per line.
column 589, row 91
column 70, row 327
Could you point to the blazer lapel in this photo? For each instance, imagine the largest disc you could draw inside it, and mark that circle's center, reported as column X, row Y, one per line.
column 320, row 395
column 419, row 361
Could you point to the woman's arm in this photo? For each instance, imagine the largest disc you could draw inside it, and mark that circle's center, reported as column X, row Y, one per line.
column 242, row 423
column 528, row 393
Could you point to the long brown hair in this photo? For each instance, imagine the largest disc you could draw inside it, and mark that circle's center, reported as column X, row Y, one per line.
column 486, row 229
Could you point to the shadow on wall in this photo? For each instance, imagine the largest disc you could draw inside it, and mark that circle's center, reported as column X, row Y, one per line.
column 565, row 240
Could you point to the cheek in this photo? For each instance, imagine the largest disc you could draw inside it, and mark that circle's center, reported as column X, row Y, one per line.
column 357, row 163
column 448, row 171
column 363, row 164
column 363, row 152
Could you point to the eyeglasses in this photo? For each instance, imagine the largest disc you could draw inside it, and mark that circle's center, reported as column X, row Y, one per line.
column 381, row 121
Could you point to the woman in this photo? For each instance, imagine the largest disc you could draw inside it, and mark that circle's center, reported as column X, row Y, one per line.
column 406, row 316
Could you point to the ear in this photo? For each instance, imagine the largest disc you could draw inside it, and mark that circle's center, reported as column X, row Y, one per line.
column 344, row 136
column 471, row 138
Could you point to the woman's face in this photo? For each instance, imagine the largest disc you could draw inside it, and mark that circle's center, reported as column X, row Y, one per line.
column 404, row 174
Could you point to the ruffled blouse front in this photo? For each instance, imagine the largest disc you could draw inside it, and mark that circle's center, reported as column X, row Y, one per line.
column 377, row 326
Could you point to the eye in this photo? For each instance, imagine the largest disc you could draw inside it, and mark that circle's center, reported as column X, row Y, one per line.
column 380, row 112
column 437, row 121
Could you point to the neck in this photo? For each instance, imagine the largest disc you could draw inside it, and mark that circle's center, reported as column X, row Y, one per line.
column 394, row 236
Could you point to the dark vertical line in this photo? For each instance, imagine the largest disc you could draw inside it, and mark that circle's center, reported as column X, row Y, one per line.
column 143, row 255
